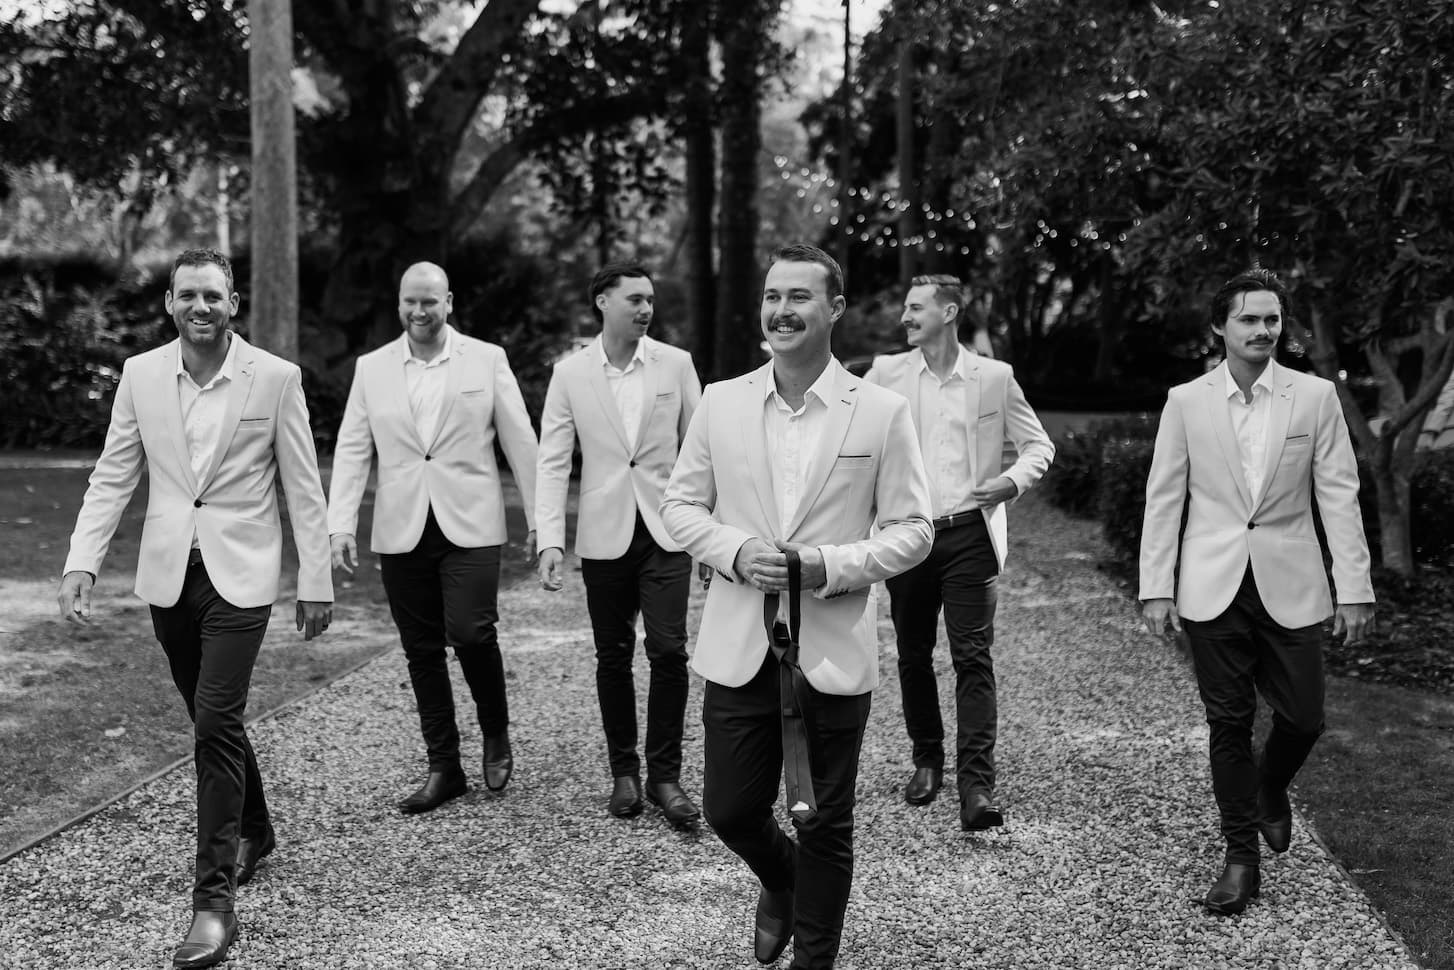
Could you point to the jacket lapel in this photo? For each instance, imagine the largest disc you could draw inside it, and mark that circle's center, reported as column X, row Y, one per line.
column 237, row 393
column 1279, row 419
column 453, row 373
column 396, row 386
column 973, row 391
column 1221, row 416
column 754, row 443
column 835, row 429
column 650, row 382
column 909, row 382
column 172, row 410
column 596, row 361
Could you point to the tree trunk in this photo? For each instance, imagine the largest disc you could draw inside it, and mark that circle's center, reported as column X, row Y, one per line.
column 701, row 188
column 273, row 316
column 910, row 222
column 1395, row 540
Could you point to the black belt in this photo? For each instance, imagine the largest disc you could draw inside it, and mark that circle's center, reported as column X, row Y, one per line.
column 957, row 519
column 793, row 697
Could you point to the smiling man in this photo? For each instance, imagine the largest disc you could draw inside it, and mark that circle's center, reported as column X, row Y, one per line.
column 1244, row 451
column 798, row 457
column 216, row 423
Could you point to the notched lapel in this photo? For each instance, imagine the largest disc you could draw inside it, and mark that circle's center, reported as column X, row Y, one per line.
column 166, row 381
column 973, row 394
column 840, row 413
column 396, row 385
column 650, row 383
column 1220, row 413
column 237, row 395
column 459, row 358
column 596, row 361
column 1279, row 419
column 754, row 445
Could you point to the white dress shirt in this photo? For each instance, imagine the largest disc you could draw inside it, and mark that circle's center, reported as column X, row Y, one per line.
column 944, row 437
column 1249, row 421
column 426, row 381
column 792, row 441
column 627, row 386
column 202, row 411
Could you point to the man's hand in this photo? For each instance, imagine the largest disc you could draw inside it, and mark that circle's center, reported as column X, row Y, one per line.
column 345, row 552
column 74, row 596
column 1355, row 620
column 530, row 545
column 766, row 568
column 814, row 570
column 314, row 617
column 552, row 575
column 994, row 491
column 704, row 573
column 1158, row 613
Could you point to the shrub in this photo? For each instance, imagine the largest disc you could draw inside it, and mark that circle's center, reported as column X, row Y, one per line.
column 1074, row 481
column 1125, row 466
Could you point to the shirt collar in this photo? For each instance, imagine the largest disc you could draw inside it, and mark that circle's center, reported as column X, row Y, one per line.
column 1264, row 381
column 960, row 368
column 638, row 356
column 225, row 372
column 822, row 388
column 443, row 354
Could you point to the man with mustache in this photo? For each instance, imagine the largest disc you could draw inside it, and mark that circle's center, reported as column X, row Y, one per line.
column 628, row 399
column 216, row 423
column 432, row 404
column 797, row 457
column 1243, row 452
column 965, row 408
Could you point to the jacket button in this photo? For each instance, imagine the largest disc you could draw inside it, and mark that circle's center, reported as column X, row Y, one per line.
column 633, row 464
column 1251, row 525
column 428, row 457
column 196, row 503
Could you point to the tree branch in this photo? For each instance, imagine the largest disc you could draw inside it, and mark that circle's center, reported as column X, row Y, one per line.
column 452, row 98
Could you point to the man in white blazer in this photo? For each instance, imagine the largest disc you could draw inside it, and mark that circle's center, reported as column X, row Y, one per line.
column 798, row 455
column 1244, row 451
column 965, row 408
column 628, row 400
column 431, row 404
column 215, row 422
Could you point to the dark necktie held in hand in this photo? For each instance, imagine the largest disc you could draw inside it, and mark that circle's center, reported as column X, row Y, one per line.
column 793, row 696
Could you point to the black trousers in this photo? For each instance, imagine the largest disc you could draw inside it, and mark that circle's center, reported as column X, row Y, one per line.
column 211, row 646
column 959, row 576
column 655, row 583
column 439, row 594
column 1236, row 655
column 743, row 763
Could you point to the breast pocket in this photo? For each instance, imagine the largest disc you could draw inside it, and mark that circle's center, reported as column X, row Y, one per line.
column 853, row 463
column 254, row 425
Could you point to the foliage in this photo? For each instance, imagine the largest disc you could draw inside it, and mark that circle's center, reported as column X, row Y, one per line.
column 1075, row 479
column 1125, row 466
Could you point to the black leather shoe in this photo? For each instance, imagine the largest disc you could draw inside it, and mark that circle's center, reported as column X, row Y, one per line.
column 923, row 788
column 499, row 762
column 1274, row 818
column 625, row 797
column 677, row 808
column 1230, row 893
column 250, row 852
column 207, row 940
column 773, row 926
column 437, row 789
column 977, row 813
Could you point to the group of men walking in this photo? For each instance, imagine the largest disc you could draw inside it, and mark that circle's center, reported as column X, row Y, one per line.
column 798, row 486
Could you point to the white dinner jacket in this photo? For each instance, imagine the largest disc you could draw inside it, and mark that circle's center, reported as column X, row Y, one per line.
column 867, row 475
column 233, row 507
column 1197, row 465
column 455, row 474
column 616, row 477
column 996, row 413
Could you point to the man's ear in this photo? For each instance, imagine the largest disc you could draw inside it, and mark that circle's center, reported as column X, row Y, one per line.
column 839, row 305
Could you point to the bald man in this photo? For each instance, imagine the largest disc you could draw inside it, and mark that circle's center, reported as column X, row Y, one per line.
column 432, row 404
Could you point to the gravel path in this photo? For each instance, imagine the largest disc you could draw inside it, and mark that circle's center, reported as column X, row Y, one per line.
column 1111, row 831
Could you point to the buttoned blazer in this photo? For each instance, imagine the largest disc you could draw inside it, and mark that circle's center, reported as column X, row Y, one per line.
column 996, row 413
column 865, row 503
column 455, row 473
column 233, row 506
column 617, row 479
column 1197, row 468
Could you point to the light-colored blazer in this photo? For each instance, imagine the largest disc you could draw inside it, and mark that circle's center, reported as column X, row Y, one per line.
column 867, row 474
column 233, row 507
column 1308, row 455
column 997, row 412
column 615, row 477
column 455, row 474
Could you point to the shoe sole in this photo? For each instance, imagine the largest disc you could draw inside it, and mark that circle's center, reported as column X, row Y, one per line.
column 992, row 818
column 920, row 800
column 422, row 809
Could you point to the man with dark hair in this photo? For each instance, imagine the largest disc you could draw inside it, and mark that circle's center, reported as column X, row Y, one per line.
column 797, row 459
column 1244, row 451
column 628, row 399
column 216, row 423
column 965, row 407
column 432, row 404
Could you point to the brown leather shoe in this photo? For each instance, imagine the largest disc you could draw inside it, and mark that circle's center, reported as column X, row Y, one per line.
column 499, row 761
column 675, row 806
column 773, row 925
column 1274, row 818
column 1234, row 887
column 625, row 797
column 250, row 852
column 207, row 940
column 977, row 813
column 437, row 789
column 923, row 788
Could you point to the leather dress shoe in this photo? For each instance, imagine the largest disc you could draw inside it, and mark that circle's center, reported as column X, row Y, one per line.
column 1274, row 818
column 977, row 813
column 773, row 926
column 1236, row 885
column 499, row 762
column 437, row 789
column 207, row 940
column 250, row 852
column 675, row 806
column 625, row 797
column 923, row 788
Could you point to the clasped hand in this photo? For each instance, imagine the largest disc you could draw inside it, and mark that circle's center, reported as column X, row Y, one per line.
column 765, row 567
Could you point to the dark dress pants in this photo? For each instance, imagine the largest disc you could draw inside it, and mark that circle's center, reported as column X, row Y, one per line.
column 743, row 763
column 1236, row 655
column 439, row 594
column 211, row 647
column 655, row 583
column 960, row 575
